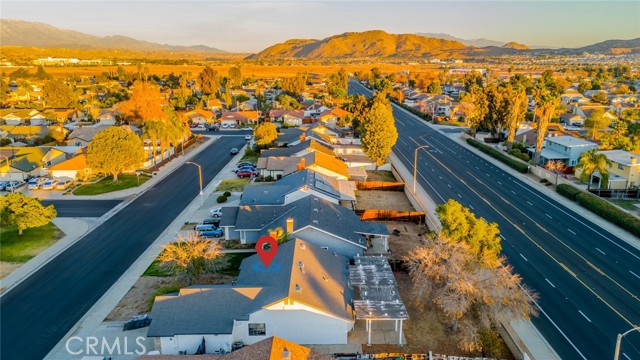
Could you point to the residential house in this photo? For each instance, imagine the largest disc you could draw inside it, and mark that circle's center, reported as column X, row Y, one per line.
column 303, row 297
column 528, row 135
column 199, row 116
column 586, row 110
column 624, row 171
column 300, row 149
column 298, row 185
column 83, row 136
column 311, row 218
column 214, row 105
column 563, row 148
column 237, row 118
column 64, row 116
column 571, row 119
column 22, row 116
column 271, row 348
column 73, row 168
column 333, row 117
column 287, row 117
column 279, row 166
column 107, row 116
column 27, row 161
column 32, row 132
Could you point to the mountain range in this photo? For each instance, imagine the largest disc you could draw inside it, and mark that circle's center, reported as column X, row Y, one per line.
column 481, row 42
column 24, row 33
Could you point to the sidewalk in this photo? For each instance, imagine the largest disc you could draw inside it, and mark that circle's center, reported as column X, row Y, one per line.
column 74, row 228
column 91, row 323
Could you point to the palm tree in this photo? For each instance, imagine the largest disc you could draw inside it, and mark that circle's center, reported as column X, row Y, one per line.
column 546, row 95
column 592, row 161
column 151, row 133
column 556, row 167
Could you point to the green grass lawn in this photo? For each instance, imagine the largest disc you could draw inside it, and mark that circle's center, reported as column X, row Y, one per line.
column 232, row 185
column 250, row 155
column 107, row 185
column 20, row 249
column 627, row 204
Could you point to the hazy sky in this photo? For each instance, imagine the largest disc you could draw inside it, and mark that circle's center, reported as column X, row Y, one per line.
column 250, row 26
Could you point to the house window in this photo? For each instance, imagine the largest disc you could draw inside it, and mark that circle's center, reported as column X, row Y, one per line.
column 325, row 247
column 620, row 167
column 257, row 329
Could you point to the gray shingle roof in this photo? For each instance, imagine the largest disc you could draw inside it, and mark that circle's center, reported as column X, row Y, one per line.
column 229, row 215
column 289, row 151
column 265, row 194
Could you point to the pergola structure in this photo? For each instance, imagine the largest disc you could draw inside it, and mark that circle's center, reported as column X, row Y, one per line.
column 376, row 293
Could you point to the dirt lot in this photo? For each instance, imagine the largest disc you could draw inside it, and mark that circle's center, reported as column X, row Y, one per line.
column 382, row 200
column 136, row 301
column 409, row 238
column 380, row 175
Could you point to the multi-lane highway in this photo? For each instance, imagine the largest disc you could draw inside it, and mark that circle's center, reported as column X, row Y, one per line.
column 41, row 310
column 588, row 279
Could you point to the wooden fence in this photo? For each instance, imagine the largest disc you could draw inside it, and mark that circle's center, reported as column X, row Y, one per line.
column 380, row 185
column 405, row 356
column 392, row 215
column 616, row 194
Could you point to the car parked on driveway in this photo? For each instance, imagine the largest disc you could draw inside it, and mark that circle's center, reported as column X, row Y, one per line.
column 216, row 212
column 244, row 163
column 49, row 184
column 246, row 173
column 209, row 231
column 13, row 185
column 208, row 221
column 63, row 184
column 36, row 183
column 246, row 168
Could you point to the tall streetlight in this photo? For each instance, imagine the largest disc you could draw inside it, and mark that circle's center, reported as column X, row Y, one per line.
column 200, row 176
column 415, row 165
column 620, row 336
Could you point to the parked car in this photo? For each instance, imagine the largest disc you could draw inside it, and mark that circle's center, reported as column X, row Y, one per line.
column 214, row 127
column 63, row 184
column 248, row 137
column 208, row 221
column 248, row 128
column 49, row 184
column 216, row 212
column 245, row 168
column 13, row 185
column 234, row 151
column 244, row 163
column 2, row 185
column 225, row 125
column 209, row 231
column 232, row 125
column 246, row 173
column 36, row 183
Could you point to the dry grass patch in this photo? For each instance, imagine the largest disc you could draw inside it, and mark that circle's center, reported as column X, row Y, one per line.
column 382, row 200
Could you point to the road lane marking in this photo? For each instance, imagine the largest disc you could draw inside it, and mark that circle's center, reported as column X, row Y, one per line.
column 499, row 183
column 634, row 274
column 625, row 355
column 471, row 207
column 549, row 216
column 449, row 185
column 603, row 253
column 571, row 231
column 529, row 203
column 513, row 192
column 440, row 177
column 585, row 316
column 459, row 195
column 525, row 259
column 550, row 283
column 502, row 236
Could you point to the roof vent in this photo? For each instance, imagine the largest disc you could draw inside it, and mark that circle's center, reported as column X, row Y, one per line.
column 298, row 288
column 300, row 264
column 302, row 245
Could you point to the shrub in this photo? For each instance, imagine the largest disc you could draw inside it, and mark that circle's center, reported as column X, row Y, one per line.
column 609, row 211
column 567, row 191
column 268, row 178
column 493, row 152
column 519, row 154
column 221, row 199
column 544, row 181
column 227, row 194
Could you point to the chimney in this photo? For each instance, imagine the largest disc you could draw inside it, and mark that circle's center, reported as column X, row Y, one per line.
column 286, row 355
column 303, row 137
column 634, row 160
column 289, row 225
column 273, row 234
column 301, row 164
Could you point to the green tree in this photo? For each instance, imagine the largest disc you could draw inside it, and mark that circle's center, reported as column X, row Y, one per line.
column 592, row 161
column 235, row 76
column 474, row 105
column 472, row 79
column 287, row 102
column 41, row 74
column 294, row 86
column 57, row 94
column 375, row 73
column 209, row 81
column 584, row 85
column 600, row 97
column 115, row 150
column 497, row 109
column 596, row 122
column 434, row 88
column 191, row 257
column 22, row 212
column 546, row 94
column 515, row 101
column 265, row 134
column 379, row 132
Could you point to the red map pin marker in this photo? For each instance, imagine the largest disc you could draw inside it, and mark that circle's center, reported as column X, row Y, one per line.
column 267, row 254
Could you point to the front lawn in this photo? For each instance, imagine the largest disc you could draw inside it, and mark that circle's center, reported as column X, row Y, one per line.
column 107, row 185
column 232, row 185
column 20, row 249
column 250, row 155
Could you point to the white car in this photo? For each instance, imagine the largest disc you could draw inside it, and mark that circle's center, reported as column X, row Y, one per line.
column 248, row 137
column 49, row 184
column 225, row 125
column 36, row 183
column 216, row 212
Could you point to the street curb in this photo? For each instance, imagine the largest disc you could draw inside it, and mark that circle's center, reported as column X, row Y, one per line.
column 44, row 260
column 90, row 321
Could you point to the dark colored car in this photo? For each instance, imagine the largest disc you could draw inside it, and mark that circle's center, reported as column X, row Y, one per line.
column 245, row 168
column 209, row 231
column 244, row 163
column 234, row 151
column 246, row 173
column 208, row 221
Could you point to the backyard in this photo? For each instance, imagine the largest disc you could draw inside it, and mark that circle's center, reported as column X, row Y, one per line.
column 106, row 185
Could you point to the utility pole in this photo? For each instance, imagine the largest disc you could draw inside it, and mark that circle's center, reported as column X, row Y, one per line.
column 200, row 176
column 619, row 339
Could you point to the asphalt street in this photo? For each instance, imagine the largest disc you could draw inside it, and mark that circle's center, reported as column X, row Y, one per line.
column 588, row 279
column 41, row 310
column 82, row 208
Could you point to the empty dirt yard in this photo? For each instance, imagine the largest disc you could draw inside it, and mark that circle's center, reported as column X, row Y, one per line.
column 382, row 200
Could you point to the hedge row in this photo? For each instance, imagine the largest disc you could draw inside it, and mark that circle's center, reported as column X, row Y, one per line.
column 610, row 212
column 493, row 152
column 414, row 111
column 601, row 207
column 568, row 191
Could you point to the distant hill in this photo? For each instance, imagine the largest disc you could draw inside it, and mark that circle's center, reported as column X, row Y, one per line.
column 515, row 45
column 367, row 44
column 609, row 47
column 34, row 34
column 481, row 42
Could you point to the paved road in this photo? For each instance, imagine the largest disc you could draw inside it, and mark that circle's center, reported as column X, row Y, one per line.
column 588, row 279
column 42, row 309
column 82, row 208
